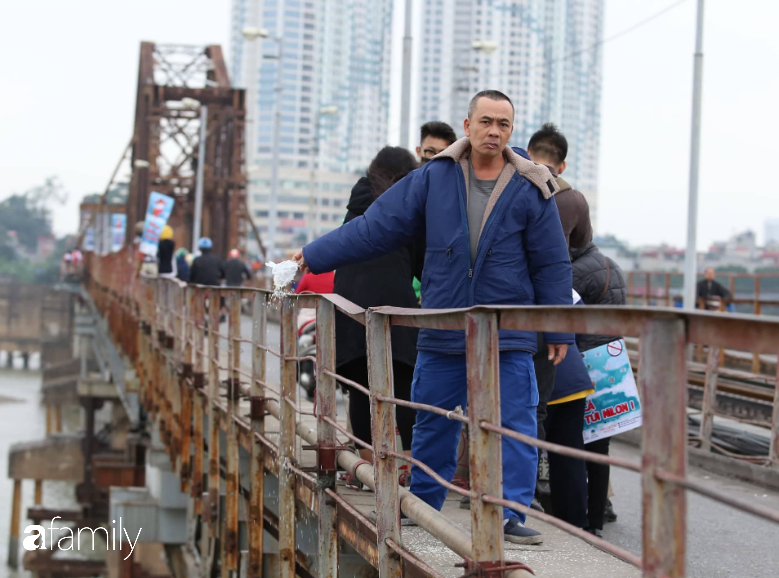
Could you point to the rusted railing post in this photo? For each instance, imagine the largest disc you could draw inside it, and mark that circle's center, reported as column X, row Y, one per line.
column 664, row 386
column 648, row 288
column 287, row 441
column 256, row 501
column 177, row 351
column 668, row 301
column 483, row 367
column 773, row 453
column 383, row 432
column 709, row 397
column 630, row 288
column 185, row 391
column 326, row 440
column 756, row 354
column 16, row 522
column 212, row 508
column 198, row 415
column 232, row 483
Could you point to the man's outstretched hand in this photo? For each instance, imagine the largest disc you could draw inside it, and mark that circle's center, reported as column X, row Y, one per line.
column 557, row 352
column 298, row 258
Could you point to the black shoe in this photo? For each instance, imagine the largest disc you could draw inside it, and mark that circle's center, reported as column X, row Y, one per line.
column 609, row 515
column 536, row 505
column 516, row 532
column 465, row 503
column 595, row 532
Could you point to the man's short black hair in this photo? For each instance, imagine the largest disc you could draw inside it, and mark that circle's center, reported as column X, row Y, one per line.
column 549, row 143
column 492, row 95
column 437, row 129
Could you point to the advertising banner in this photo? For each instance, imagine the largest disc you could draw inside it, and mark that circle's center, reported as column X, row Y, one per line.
column 157, row 214
column 614, row 407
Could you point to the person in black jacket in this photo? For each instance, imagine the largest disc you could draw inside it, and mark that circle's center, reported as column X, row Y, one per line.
column 707, row 288
column 599, row 281
column 236, row 270
column 166, row 263
column 383, row 281
column 208, row 268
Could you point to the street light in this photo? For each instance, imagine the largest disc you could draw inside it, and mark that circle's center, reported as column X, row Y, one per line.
column 486, row 46
column 690, row 258
column 252, row 33
column 313, row 213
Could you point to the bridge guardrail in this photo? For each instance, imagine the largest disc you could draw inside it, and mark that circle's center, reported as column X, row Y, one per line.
column 181, row 380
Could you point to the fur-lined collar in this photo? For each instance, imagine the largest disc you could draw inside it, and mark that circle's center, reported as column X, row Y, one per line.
column 537, row 174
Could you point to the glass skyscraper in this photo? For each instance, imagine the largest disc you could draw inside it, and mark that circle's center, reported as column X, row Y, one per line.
column 334, row 102
column 547, row 60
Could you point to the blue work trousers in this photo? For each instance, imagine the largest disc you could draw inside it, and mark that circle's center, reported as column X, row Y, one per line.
column 440, row 379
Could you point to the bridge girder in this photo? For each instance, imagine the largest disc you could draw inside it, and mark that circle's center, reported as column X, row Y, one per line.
column 167, row 135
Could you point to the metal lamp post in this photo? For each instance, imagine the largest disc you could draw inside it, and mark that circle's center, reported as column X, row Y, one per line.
column 251, row 33
column 191, row 103
column 690, row 258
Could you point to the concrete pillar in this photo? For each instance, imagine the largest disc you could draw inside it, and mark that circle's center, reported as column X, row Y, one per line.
column 25, row 360
column 9, row 360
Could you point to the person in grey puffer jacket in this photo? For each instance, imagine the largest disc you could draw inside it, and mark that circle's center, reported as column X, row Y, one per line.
column 599, row 281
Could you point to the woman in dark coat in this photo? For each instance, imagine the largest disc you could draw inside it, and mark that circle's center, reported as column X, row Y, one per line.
column 599, row 281
column 383, row 281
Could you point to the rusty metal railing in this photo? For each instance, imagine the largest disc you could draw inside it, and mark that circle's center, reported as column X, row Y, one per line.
column 653, row 288
column 182, row 381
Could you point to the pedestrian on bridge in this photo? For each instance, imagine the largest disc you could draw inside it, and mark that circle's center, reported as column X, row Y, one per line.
column 235, row 270
column 549, row 147
column 493, row 236
column 166, row 262
column 563, row 425
column 386, row 280
column 207, row 269
column 599, row 281
column 710, row 293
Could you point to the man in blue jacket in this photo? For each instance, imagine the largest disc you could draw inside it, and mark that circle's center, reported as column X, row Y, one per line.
column 493, row 238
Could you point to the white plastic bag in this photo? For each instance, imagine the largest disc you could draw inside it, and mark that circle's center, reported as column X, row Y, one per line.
column 283, row 274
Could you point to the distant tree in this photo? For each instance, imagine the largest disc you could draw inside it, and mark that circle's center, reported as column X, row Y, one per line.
column 25, row 217
column 29, row 214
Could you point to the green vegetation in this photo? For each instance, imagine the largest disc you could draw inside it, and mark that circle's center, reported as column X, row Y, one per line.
column 24, row 218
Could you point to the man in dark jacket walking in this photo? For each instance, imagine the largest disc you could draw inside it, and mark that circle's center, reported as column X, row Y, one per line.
column 235, row 270
column 492, row 237
column 207, row 269
column 549, row 147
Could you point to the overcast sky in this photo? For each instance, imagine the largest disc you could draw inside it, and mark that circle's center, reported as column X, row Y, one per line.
column 68, row 97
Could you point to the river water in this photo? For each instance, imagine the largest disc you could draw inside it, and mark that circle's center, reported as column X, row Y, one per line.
column 23, row 418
